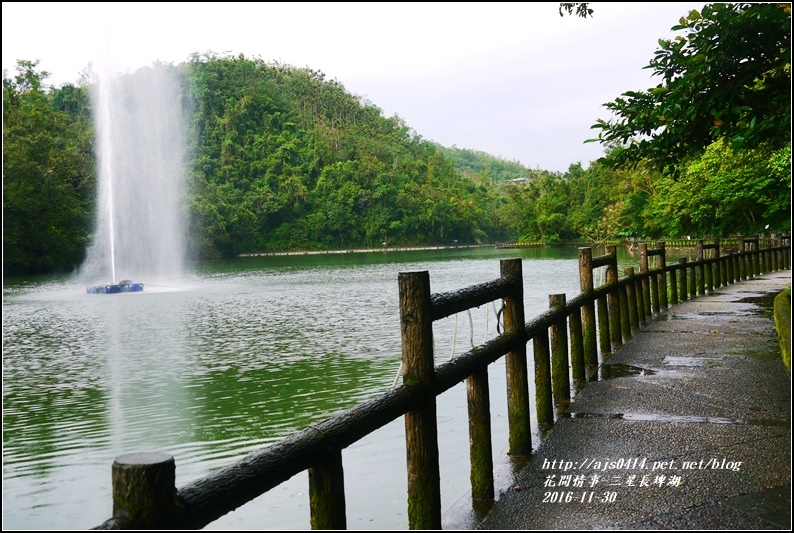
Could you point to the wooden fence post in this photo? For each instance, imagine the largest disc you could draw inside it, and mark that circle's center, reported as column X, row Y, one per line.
column 674, row 286
column 421, row 426
column 700, row 268
column 646, row 288
column 144, row 491
column 588, row 310
column 631, row 298
column 543, row 401
column 708, row 271
column 327, row 492
column 719, row 275
column 729, row 260
column 625, row 316
column 763, row 256
column 613, row 299
column 752, row 271
column 726, row 265
column 577, row 346
column 783, row 254
column 654, row 278
column 603, row 325
column 638, row 291
column 480, row 450
column 662, row 275
column 742, row 270
column 520, row 437
column 560, row 380
column 738, row 257
column 711, row 281
column 683, row 275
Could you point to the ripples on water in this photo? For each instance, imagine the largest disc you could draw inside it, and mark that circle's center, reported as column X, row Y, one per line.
column 237, row 356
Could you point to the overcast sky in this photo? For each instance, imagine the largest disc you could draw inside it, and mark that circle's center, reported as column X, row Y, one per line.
column 514, row 80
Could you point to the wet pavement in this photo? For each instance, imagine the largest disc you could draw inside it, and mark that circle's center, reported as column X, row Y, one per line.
column 687, row 426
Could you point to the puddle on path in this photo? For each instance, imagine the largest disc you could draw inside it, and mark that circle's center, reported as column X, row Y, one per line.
column 773, row 505
column 765, row 303
column 620, row 370
column 708, row 362
column 677, row 418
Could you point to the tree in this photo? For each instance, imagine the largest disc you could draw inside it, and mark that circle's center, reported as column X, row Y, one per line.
column 725, row 192
column 48, row 173
column 286, row 159
column 582, row 9
column 728, row 77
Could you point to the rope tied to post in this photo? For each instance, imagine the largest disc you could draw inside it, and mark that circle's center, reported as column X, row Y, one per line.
column 499, row 321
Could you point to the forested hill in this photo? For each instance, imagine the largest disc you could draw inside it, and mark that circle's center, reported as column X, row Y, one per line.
column 475, row 162
column 289, row 159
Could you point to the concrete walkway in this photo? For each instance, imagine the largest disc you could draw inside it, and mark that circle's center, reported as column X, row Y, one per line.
column 687, row 427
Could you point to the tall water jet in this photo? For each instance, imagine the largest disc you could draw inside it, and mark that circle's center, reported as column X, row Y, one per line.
column 141, row 152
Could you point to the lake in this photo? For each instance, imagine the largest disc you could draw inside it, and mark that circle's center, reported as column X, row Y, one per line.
column 234, row 356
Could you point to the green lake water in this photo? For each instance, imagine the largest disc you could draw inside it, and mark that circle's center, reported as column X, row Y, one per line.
column 230, row 358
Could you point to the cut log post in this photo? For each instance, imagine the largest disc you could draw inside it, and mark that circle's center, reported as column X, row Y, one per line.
column 560, row 379
column 327, row 493
column 588, row 311
column 520, row 431
column 144, row 491
column 421, row 425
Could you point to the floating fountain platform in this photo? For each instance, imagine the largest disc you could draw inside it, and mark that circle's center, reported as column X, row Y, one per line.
column 124, row 285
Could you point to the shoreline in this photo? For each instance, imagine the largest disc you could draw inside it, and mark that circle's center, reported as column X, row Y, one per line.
column 670, row 244
column 369, row 250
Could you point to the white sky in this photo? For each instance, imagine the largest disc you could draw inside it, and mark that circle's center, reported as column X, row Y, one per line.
column 514, row 80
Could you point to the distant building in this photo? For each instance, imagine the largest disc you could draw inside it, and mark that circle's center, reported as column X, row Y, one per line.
column 519, row 180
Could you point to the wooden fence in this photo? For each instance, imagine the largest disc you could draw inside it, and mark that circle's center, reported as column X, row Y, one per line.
column 566, row 342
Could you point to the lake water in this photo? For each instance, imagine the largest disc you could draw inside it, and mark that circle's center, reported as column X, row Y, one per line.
column 231, row 358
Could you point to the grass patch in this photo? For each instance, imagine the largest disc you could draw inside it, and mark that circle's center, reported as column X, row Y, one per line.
column 783, row 325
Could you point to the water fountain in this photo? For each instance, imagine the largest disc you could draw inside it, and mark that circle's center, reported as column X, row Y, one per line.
column 141, row 163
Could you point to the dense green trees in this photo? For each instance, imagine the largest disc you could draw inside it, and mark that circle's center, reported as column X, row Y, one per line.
column 708, row 150
column 725, row 192
column 286, row 159
column 472, row 163
column 48, row 170
column 728, row 77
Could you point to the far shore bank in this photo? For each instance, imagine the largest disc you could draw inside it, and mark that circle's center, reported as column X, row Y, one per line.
column 631, row 244
column 370, row 250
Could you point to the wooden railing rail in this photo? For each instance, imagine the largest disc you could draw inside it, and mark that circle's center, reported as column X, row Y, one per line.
column 565, row 339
